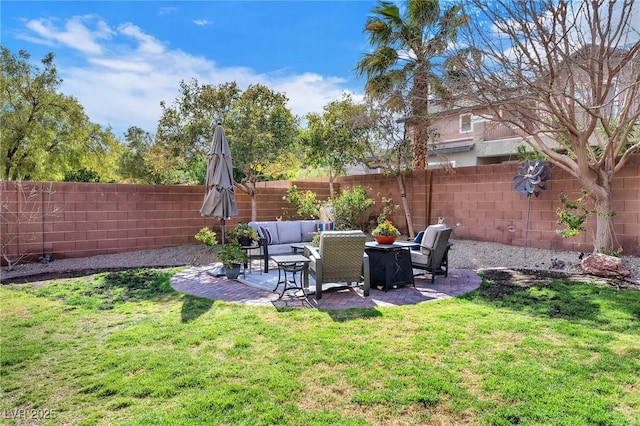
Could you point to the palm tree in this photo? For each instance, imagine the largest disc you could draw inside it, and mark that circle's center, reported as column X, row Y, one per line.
column 402, row 69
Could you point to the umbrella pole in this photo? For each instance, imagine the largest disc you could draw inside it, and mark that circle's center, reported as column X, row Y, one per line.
column 222, row 227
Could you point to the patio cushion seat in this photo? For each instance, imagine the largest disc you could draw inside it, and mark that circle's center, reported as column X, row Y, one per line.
column 433, row 255
column 340, row 259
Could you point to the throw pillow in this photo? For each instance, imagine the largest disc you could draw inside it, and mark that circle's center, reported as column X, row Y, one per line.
column 328, row 226
column 265, row 234
column 418, row 240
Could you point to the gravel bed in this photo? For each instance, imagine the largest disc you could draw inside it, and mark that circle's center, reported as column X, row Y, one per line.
column 464, row 254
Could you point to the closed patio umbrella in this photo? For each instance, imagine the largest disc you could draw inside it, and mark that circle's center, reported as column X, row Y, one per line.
column 220, row 197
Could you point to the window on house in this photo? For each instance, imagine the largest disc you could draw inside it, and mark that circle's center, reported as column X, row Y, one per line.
column 465, row 123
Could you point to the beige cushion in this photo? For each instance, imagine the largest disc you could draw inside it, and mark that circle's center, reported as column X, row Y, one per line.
column 429, row 256
column 429, row 237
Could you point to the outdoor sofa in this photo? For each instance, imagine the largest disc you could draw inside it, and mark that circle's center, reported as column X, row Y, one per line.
column 277, row 236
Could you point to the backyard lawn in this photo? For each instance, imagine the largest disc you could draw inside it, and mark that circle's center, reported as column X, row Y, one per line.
column 124, row 348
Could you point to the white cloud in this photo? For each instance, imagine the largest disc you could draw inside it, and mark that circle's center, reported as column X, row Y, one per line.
column 147, row 43
column 307, row 92
column 126, row 73
column 75, row 35
column 139, row 67
column 202, row 22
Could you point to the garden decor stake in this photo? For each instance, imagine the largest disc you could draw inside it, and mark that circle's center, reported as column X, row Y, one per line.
column 531, row 178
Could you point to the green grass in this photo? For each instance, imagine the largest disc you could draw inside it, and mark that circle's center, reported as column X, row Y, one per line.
column 123, row 348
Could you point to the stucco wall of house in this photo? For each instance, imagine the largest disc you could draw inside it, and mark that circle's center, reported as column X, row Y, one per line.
column 479, row 203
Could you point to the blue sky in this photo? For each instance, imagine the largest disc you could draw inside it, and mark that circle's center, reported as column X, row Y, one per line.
column 121, row 58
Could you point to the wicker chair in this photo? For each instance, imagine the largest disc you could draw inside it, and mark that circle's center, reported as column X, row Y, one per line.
column 340, row 258
column 433, row 255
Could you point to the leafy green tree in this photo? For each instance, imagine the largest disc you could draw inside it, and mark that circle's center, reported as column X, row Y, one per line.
column 262, row 129
column 185, row 130
column 335, row 138
column 259, row 127
column 290, row 164
column 81, row 175
column 408, row 46
column 134, row 164
column 46, row 134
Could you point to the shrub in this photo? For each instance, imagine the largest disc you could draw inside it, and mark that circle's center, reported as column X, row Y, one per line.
column 207, row 237
column 572, row 215
column 349, row 208
column 304, row 202
column 389, row 207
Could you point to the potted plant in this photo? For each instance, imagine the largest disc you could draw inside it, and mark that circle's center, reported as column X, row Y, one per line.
column 244, row 234
column 385, row 232
column 232, row 255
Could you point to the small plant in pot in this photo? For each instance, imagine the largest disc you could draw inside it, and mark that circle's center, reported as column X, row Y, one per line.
column 232, row 255
column 385, row 232
column 244, row 234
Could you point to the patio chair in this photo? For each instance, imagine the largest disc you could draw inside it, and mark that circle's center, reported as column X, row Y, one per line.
column 433, row 255
column 340, row 258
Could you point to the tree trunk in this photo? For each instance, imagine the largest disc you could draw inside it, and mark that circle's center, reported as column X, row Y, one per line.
column 249, row 188
column 331, row 179
column 599, row 189
column 254, row 203
column 419, row 98
column 420, row 142
column 405, row 204
column 604, row 225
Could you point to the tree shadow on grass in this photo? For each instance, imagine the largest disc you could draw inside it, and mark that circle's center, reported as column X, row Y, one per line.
column 106, row 290
column 344, row 315
column 193, row 307
column 552, row 294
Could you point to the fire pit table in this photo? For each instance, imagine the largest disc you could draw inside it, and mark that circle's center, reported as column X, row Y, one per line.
column 390, row 264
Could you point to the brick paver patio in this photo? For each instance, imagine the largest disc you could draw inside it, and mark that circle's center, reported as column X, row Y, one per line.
column 197, row 281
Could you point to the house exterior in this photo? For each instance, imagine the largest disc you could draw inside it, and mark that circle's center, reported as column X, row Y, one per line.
column 465, row 136
column 467, row 139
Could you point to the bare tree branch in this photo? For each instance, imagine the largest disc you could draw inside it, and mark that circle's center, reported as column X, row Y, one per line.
column 566, row 74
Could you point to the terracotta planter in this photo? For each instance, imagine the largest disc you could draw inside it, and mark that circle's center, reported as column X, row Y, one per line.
column 385, row 239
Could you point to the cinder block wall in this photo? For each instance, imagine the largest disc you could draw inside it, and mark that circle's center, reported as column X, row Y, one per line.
column 490, row 210
column 84, row 219
column 479, row 203
column 69, row 220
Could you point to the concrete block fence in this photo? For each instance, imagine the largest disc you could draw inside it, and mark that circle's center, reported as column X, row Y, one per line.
column 70, row 220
